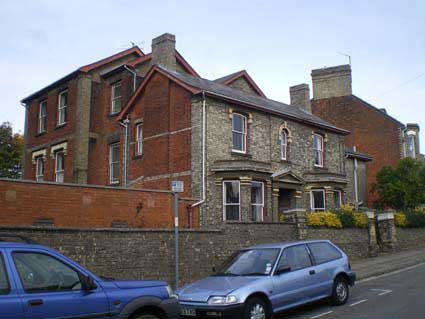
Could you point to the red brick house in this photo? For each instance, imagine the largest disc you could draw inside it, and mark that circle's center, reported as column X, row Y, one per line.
column 373, row 130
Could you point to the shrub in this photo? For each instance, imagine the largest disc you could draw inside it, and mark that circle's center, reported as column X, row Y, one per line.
column 415, row 218
column 323, row 219
column 350, row 218
column 346, row 218
column 400, row 219
column 360, row 220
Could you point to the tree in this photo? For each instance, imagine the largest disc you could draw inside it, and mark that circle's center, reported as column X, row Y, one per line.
column 402, row 187
column 11, row 150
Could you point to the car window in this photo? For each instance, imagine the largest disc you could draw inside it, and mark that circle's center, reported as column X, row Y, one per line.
column 324, row 252
column 41, row 272
column 4, row 281
column 296, row 257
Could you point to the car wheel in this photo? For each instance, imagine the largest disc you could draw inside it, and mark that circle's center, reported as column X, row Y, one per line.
column 340, row 291
column 255, row 308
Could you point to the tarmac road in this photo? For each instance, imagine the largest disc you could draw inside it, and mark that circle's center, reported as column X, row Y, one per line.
column 396, row 295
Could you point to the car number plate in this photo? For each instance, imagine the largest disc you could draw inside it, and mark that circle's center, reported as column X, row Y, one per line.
column 188, row 312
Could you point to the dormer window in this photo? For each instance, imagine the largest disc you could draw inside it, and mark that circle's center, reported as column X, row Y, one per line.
column 238, row 133
column 318, row 150
column 63, row 104
column 116, row 97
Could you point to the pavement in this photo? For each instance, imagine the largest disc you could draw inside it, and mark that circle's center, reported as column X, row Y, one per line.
column 389, row 287
column 371, row 267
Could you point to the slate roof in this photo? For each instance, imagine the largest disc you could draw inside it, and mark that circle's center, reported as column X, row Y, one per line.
column 258, row 102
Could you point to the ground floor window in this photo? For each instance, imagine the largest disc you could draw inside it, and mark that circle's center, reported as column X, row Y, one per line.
column 337, row 199
column 257, row 201
column 59, row 167
column 317, row 199
column 114, row 163
column 39, row 169
column 231, row 200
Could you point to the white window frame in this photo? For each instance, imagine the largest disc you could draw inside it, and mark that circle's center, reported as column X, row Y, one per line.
column 42, row 117
column 411, row 137
column 112, row 179
column 39, row 162
column 340, row 197
column 62, row 108
column 115, row 98
column 262, row 200
column 59, row 172
column 139, row 139
column 314, row 209
column 283, row 145
column 321, row 151
column 244, row 133
column 232, row 204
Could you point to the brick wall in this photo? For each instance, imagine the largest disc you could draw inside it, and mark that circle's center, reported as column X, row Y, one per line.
column 71, row 205
column 372, row 132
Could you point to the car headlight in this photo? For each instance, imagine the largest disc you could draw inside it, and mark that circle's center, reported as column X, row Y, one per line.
column 170, row 292
column 222, row 300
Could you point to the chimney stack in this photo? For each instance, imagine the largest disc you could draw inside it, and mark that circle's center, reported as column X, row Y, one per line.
column 163, row 51
column 331, row 82
column 300, row 96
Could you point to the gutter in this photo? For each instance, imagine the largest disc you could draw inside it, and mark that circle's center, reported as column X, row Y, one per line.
column 203, row 152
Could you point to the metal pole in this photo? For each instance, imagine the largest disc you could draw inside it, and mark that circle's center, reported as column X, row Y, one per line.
column 176, row 234
column 356, row 191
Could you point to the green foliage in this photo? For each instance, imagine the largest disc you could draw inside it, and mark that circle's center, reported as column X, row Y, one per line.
column 11, row 150
column 402, row 187
column 415, row 218
column 346, row 218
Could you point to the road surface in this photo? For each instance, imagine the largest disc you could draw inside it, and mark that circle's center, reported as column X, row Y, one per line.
column 396, row 295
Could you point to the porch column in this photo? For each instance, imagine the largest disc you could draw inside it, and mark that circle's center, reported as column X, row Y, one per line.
column 245, row 198
column 299, row 199
column 275, row 204
column 268, row 203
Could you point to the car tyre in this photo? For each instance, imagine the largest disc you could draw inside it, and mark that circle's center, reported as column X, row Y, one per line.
column 255, row 308
column 340, row 291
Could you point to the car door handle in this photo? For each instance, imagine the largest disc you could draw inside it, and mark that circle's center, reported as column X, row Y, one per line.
column 35, row 302
column 312, row 272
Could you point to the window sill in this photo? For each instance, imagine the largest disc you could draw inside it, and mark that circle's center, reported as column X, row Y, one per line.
column 40, row 134
column 136, row 157
column 114, row 183
column 239, row 154
column 112, row 115
column 320, row 168
column 60, row 126
column 286, row 161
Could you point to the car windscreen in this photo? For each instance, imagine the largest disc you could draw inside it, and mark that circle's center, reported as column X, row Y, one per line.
column 250, row 262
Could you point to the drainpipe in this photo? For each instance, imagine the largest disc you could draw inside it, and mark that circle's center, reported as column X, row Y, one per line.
column 356, row 194
column 125, row 124
column 203, row 152
column 134, row 77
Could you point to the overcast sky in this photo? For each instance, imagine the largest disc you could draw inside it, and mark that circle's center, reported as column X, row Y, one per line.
column 277, row 42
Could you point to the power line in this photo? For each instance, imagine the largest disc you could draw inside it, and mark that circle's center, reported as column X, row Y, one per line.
column 400, row 85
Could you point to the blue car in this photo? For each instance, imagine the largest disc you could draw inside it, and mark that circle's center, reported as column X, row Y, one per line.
column 39, row 283
column 258, row 281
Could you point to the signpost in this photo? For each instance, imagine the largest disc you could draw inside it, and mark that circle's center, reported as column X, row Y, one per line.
column 176, row 187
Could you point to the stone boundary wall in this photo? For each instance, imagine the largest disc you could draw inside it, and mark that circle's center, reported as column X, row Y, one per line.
column 26, row 203
column 408, row 238
column 149, row 253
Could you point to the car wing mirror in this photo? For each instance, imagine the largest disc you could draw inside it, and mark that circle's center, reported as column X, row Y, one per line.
column 283, row 269
column 88, row 283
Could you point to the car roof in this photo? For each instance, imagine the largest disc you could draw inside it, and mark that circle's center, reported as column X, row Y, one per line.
column 285, row 244
column 4, row 244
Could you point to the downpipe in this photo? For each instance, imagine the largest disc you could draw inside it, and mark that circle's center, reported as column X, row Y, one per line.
column 203, row 153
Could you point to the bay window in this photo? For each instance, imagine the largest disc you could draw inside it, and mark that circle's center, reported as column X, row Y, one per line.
column 257, row 201
column 39, row 169
column 317, row 200
column 231, row 200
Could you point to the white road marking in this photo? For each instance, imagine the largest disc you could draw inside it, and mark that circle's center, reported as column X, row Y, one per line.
column 382, row 291
column 390, row 273
column 358, row 302
column 322, row 314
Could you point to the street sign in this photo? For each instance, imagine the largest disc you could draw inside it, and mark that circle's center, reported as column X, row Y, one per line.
column 177, row 186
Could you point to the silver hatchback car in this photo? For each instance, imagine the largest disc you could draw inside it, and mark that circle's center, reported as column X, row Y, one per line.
column 259, row 281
